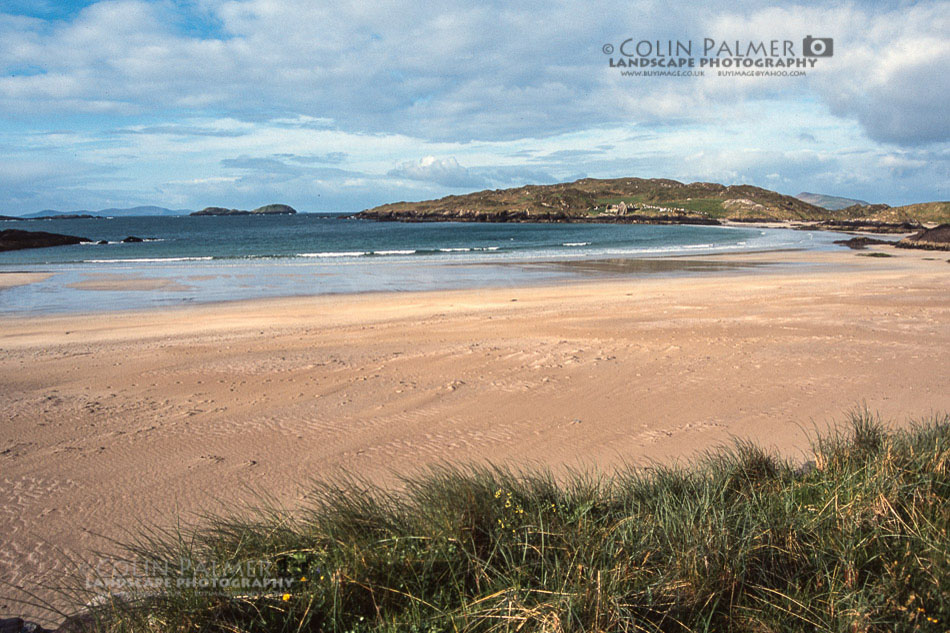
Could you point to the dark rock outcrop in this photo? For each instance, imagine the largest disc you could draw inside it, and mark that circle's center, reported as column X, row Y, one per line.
column 268, row 209
column 935, row 239
column 132, row 240
column 869, row 226
column 505, row 215
column 15, row 239
column 861, row 243
column 754, row 220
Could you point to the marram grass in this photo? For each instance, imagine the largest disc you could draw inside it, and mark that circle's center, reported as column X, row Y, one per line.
column 742, row 541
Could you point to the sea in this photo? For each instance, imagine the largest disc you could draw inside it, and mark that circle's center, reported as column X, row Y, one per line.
column 194, row 259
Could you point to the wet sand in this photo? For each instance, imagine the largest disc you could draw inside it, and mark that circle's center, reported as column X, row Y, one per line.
column 114, row 282
column 11, row 279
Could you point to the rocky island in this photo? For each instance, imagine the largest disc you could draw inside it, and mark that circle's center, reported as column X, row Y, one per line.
column 269, row 209
column 66, row 216
column 15, row 239
column 653, row 201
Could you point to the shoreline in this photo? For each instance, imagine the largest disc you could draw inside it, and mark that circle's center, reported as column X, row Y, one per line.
column 120, row 285
column 120, row 419
column 161, row 275
column 594, row 272
column 585, row 272
column 754, row 262
column 574, row 271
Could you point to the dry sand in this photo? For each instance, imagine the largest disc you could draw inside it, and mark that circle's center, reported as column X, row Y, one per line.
column 111, row 420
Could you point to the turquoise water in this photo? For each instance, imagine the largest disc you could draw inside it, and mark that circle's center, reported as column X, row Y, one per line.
column 220, row 258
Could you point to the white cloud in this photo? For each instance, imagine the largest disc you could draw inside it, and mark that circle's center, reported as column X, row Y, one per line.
column 443, row 171
column 890, row 70
column 491, row 71
column 334, row 103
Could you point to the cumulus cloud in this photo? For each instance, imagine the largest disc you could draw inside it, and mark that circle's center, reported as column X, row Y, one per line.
column 889, row 70
column 285, row 93
column 490, row 71
column 443, row 171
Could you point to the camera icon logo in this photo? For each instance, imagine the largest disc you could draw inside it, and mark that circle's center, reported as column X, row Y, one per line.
column 818, row 46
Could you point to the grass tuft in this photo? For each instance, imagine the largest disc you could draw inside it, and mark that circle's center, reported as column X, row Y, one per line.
column 742, row 541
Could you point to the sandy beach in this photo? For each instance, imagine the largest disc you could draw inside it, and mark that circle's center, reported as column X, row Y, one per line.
column 11, row 279
column 118, row 419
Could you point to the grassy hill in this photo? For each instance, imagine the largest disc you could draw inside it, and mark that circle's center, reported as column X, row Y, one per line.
column 922, row 212
column 592, row 198
column 654, row 200
column 929, row 212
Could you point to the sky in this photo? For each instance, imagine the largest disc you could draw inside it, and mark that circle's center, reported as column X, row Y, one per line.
column 346, row 105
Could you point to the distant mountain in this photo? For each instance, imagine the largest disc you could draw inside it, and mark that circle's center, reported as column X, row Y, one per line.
column 102, row 213
column 832, row 203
